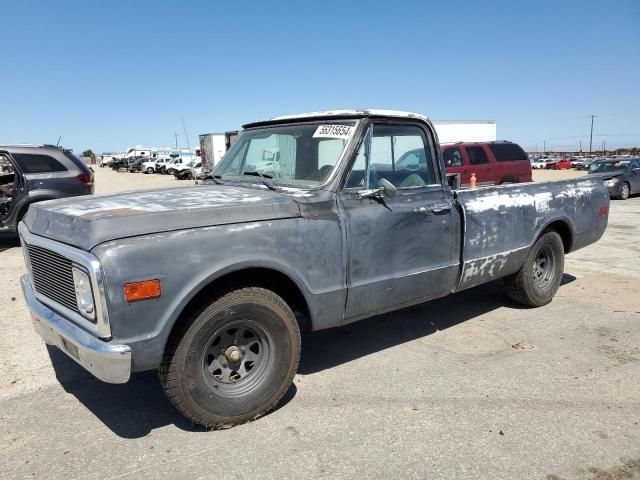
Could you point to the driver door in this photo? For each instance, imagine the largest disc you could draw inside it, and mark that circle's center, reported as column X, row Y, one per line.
column 401, row 249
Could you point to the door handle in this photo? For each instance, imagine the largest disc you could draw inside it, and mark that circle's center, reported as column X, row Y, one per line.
column 440, row 208
column 435, row 209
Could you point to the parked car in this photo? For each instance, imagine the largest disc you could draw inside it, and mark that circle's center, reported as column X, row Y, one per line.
column 37, row 173
column 162, row 167
column 119, row 163
column 621, row 177
column 562, row 164
column 586, row 163
column 188, row 171
column 152, row 166
column 492, row 162
column 539, row 163
column 172, row 166
column 576, row 162
column 105, row 161
column 337, row 237
column 134, row 164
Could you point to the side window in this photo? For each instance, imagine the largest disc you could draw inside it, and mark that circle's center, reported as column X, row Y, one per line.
column 357, row 175
column 452, row 157
column 402, row 155
column 477, row 155
column 507, row 152
column 30, row 163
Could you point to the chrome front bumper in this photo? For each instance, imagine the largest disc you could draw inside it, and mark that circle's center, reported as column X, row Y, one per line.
column 110, row 363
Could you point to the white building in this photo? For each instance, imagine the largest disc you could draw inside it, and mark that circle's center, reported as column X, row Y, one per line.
column 450, row 131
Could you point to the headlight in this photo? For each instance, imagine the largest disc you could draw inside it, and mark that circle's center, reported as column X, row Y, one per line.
column 612, row 182
column 84, row 294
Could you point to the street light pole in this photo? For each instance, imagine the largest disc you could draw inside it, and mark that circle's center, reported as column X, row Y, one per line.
column 591, row 134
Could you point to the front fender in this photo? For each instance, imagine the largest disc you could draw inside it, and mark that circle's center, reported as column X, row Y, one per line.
column 186, row 261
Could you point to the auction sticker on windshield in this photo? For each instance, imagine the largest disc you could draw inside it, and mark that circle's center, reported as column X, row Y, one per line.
column 333, row 131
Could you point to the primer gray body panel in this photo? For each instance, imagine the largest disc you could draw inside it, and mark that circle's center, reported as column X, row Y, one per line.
column 501, row 223
column 313, row 260
column 350, row 257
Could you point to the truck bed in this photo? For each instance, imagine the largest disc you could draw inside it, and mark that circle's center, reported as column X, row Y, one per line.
column 500, row 223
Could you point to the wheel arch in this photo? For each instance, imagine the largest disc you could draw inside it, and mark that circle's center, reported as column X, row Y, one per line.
column 269, row 277
column 563, row 227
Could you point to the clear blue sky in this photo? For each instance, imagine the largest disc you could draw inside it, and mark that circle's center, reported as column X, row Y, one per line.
column 106, row 75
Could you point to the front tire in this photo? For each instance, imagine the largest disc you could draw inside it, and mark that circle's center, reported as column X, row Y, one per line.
column 233, row 360
column 538, row 280
column 625, row 191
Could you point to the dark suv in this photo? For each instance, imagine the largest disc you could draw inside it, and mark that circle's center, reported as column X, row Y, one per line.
column 32, row 173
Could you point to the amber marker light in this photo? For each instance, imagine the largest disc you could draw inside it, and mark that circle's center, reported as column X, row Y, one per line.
column 145, row 290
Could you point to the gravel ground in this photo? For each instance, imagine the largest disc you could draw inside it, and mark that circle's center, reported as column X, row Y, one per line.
column 436, row 391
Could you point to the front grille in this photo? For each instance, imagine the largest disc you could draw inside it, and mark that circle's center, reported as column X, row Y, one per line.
column 52, row 276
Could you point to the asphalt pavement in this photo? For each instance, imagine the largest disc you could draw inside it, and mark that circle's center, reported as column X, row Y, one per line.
column 472, row 386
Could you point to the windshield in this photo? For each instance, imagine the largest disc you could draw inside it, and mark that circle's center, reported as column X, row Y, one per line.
column 601, row 167
column 296, row 155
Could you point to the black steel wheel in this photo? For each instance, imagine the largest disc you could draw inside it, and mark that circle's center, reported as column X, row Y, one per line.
column 538, row 280
column 233, row 359
column 544, row 267
column 238, row 357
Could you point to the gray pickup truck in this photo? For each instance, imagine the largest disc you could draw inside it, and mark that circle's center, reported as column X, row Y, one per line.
column 307, row 223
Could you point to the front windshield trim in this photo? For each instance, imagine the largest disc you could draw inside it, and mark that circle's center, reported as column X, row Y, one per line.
column 278, row 183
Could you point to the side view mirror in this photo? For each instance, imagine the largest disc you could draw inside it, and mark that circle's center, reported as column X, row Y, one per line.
column 385, row 188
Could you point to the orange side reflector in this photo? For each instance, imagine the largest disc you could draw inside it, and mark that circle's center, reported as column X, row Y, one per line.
column 144, row 290
column 603, row 211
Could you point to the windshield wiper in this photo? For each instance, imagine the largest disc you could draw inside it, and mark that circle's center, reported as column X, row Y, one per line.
column 216, row 178
column 263, row 177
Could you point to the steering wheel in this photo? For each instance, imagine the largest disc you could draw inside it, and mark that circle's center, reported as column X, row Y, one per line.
column 322, row 173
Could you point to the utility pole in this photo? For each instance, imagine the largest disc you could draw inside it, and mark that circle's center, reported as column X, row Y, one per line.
column 591, row 134
column 580, row 146
column 175, row 134
column 544, row 146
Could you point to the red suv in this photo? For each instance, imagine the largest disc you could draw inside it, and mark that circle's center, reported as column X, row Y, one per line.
column 492, row 162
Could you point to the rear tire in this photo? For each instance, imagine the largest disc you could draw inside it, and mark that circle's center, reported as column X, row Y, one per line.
column 149, row 170
column 539, row 278
column 233, row 359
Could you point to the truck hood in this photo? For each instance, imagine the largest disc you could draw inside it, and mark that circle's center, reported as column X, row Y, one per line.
column 85, row 222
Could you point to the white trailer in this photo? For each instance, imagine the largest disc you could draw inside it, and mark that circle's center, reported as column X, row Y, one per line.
column 450, row 131
column 213, row 146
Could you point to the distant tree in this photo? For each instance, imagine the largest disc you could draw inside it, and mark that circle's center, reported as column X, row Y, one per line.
column 88, row 153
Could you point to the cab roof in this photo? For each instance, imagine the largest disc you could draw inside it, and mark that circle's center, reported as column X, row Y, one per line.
column 335, row 114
